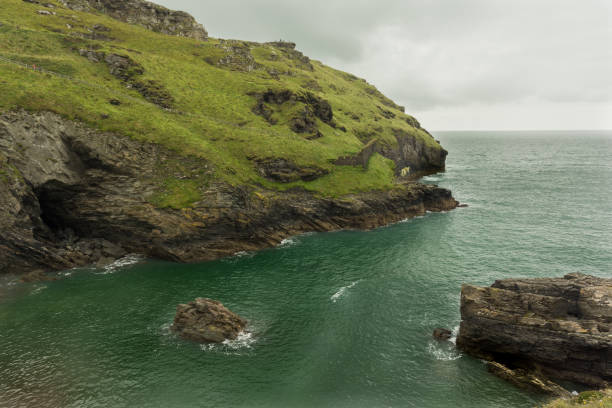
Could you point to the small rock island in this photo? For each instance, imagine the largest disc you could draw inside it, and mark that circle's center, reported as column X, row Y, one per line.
column 207, row 321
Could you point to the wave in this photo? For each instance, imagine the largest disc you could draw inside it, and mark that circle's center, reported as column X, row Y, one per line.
column 454, row 334
column 121, row 263
column 244, row 341
column 342, row 291
column 445, row 351
column 37, row 289
column 287, row 242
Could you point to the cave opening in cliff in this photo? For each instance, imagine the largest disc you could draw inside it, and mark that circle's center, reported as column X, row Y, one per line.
column 55, row 199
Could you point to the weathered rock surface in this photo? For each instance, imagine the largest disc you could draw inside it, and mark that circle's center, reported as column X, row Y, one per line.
column 207, row 321
column 145, row 14
column 560, row 328
column 526, row 380
column 285, row 171
column 37, row 276
column 67, row 192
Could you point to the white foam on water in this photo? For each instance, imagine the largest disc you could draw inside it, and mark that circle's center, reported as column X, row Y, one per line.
column 454, row 333
column 244, row 340
column 121, row 263
column 37, row 289
column 342, row 291
column 443, row 352
column 410, row 219
column 165, row 329
column 287, row 242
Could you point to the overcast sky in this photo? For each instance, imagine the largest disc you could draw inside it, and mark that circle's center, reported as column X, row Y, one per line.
column 454, row 64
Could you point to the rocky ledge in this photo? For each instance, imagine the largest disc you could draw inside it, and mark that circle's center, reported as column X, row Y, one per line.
column 537, row 330
column 145, row 14
column 207, row 321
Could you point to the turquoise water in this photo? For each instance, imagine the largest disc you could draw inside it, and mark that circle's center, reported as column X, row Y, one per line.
column 340, row 319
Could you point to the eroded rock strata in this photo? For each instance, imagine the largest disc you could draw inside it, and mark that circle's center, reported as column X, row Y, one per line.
column 553, row 328
column 70, row 196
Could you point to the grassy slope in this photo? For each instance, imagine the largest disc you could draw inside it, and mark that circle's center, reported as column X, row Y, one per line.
column 215, row 119
column 588, row 399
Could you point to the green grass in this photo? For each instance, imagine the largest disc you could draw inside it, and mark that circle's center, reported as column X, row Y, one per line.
column 177, row 194
column 212, row 115
column 587, row 399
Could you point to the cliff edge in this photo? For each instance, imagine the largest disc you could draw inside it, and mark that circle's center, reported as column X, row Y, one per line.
column 115, row 139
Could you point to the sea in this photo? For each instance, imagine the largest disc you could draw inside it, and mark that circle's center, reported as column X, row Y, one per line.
column 341, row 319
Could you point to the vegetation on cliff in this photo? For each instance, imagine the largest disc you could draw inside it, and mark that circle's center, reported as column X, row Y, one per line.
column 236, row 104
column 587, row 399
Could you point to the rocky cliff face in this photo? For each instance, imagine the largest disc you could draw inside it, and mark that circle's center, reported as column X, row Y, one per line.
column 70, row 196
column 146, row 14
column 557, row 328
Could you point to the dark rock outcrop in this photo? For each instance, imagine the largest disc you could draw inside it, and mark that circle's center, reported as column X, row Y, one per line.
column 57, row 175
column 207, row 321
column 305, row 120
column 362, row 158
column 285, row 171
column 558, row 328
column 237, row 56
column 416, row 154
column 37, row 276
column 145, row 14
column 123, row 67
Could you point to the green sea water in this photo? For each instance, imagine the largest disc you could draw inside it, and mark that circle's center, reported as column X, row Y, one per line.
column 338, row 319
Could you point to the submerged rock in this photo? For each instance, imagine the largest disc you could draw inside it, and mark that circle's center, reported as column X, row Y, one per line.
column 526, row 380
column 442, row 334
column 37, row 276
column 207, row 321
column 559, row 328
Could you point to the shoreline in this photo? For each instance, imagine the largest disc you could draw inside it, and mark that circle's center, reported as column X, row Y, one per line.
column 360, row 212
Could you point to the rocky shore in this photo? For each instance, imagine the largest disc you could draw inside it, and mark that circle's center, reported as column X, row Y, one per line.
column 536, row 331
column 72, row 196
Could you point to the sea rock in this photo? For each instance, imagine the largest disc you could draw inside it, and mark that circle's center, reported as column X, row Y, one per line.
column 442, row 334
column 207, row 321
column 558, row 327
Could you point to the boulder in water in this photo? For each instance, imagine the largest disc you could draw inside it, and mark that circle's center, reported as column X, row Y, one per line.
column 207, row 321
column 442, row 334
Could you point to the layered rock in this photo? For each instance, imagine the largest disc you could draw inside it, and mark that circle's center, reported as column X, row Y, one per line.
column 207, row 321
column 559, row 328
column 67, row 192
column 145, row 14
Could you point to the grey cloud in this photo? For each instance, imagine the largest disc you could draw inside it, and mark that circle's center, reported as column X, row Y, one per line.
column 432, row 54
